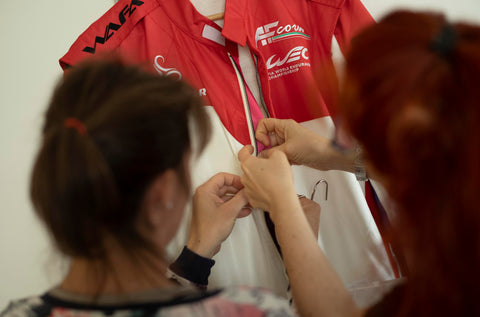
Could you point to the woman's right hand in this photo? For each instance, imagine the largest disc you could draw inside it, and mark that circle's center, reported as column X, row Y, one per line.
column 291, row 138
column 300, row 145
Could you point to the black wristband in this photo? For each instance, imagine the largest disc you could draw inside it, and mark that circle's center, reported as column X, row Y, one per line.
column 192, row 267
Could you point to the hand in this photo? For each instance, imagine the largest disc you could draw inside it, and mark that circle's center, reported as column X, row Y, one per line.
column 216, row 205
column 312, row 212
column 300, row 145
column 268, row 180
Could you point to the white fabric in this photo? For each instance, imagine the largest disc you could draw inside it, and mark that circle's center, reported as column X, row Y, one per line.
column 348, row 234
column 213, row 34
column 248, row 256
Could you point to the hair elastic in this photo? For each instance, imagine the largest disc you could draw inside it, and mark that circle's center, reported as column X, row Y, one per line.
column 76, row 124
column 444, row 42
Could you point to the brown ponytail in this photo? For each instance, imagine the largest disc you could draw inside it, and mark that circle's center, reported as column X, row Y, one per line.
column 88, row 185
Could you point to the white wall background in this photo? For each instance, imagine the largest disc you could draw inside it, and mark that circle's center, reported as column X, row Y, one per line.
column 33, row 36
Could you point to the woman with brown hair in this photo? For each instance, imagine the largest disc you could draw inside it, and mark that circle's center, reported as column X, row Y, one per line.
column 411, row 100
column 110, row 183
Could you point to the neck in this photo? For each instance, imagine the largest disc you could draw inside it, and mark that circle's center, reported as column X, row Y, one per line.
column 121, row 273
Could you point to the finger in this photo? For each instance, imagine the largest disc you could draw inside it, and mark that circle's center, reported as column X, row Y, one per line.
column 270, row 131
column 244, row 212
column 277, row 154
column 268, row 152
column 218, row 182
column 264, row 153
column 228, row 191
column 234, row 181
column 236, row 204
column 262, row 134
column 263, row 130
column 226, row 198
column 245, row 153
column 229, row 194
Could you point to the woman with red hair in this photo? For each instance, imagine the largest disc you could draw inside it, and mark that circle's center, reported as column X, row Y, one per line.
column 411, row 101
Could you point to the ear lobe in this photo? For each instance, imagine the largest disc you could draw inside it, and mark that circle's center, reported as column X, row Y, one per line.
column 159, row 197
column 169, row 205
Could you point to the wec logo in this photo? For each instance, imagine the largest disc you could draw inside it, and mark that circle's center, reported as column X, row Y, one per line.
column 270, row 33
column 112, row 27
column 293, row 55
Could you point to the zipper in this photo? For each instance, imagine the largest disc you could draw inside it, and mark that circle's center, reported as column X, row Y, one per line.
column 262, row 101
column 246, row 105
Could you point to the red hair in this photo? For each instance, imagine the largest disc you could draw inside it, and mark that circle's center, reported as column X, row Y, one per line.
column 411, row 97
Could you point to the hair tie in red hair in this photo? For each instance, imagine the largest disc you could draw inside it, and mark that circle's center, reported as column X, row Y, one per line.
column 444, row 42
column 76, row 124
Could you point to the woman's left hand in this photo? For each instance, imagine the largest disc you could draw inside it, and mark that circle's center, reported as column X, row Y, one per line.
column 268, row 181
column 216, row 205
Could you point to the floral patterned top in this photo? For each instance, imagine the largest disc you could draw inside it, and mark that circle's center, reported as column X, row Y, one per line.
column 178, row 301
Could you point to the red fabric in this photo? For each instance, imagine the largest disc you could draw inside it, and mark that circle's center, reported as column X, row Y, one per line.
column 172, row 29
column 381, row 220
column 296, row 95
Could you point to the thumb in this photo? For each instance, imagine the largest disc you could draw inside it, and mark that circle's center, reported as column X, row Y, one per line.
column 245, row 153
column 268, row 152
column 235, row 205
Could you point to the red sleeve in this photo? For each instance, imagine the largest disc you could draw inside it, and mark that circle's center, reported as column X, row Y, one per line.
column 109, row 31
column 353, row 18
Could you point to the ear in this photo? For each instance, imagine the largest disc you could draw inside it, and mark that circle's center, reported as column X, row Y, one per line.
column 159, row 197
